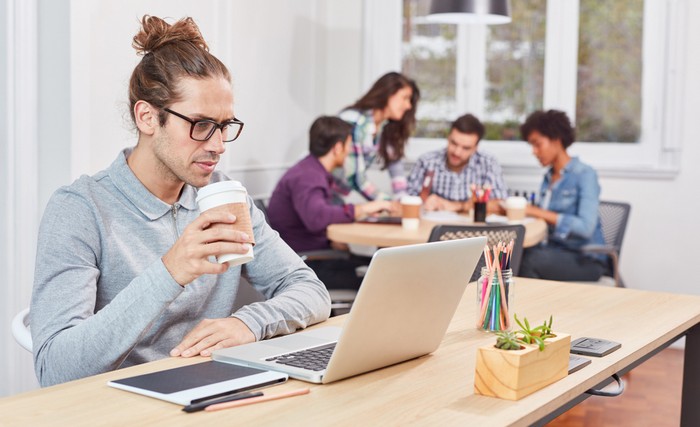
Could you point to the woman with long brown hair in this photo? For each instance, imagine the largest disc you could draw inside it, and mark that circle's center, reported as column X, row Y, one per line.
column 382, row 120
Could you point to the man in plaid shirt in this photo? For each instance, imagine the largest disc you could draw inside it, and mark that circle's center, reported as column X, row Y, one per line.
column 444, row 177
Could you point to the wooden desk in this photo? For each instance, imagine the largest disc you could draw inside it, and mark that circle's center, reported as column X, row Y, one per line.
column 435, row 390
column 386, row 235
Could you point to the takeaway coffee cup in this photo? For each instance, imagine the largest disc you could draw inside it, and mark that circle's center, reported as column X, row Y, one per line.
column 515, row 208
column 232, row 197
column 410, row 212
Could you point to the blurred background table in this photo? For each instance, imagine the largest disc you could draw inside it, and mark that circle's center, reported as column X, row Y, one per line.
column 387, row 235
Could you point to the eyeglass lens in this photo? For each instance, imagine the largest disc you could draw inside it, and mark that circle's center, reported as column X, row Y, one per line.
column 203, row 130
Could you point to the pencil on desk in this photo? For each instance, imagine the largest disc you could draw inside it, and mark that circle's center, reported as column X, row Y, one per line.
column 250, row 401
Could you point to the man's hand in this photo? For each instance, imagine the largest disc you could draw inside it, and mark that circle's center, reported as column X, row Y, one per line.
column 374, row 207
column 189, row 256
column 213, row 334
column 437, row 203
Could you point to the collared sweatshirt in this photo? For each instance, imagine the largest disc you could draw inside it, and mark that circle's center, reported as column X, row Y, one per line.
column 103, row 299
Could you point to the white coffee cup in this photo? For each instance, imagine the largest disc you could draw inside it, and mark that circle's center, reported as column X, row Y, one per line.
column 410, row 212
column 515, row 208
column 232, row 197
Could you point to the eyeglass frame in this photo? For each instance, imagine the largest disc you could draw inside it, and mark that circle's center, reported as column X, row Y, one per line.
column 217, row 125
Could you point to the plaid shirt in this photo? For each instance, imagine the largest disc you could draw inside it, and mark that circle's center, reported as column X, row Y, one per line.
column 481, row 169
column 365, row 141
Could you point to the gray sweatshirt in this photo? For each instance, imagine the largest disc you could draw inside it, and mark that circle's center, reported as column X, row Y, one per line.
column 103, row 299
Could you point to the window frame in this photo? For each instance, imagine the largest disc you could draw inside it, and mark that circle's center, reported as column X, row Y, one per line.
column 656, row 155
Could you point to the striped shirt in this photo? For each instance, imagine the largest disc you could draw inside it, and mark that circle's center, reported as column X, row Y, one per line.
column 364, row 152
column 481, row 169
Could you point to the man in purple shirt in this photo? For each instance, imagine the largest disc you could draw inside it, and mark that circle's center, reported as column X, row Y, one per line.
column 307, row 199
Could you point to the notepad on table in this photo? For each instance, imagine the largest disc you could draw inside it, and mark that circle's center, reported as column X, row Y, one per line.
column 199, row 382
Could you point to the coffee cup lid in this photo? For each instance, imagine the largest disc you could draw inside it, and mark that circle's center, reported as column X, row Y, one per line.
column 411, row 200
column 219, row 187
column 516, row 202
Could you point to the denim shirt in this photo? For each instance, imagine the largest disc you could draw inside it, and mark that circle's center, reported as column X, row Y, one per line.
column 575, row 197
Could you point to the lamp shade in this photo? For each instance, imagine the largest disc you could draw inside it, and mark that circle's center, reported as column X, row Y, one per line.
column 470, row 11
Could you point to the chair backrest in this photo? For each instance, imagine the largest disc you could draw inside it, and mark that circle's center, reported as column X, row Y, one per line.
column 494, row 233
column 20, row 329
column 613, row 222
column 261, row 204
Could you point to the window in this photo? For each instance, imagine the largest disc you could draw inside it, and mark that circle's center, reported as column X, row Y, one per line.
column 609, row 65
column 609, row 75
column 514, row 69
column 430, row 57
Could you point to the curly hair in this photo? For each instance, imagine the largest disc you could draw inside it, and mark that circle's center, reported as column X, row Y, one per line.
column 553, row 124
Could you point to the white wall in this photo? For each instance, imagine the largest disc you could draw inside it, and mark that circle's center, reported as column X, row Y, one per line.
column 6, row 309
column 19, row 183
column 287, row 64
column 661, row 244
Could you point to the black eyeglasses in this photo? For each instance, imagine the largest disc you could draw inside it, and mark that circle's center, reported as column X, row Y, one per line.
column 202, row 130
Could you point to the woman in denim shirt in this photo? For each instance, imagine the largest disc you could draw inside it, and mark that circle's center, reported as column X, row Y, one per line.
column 568, row 203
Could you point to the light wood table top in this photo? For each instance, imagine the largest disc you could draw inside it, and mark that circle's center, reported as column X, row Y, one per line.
column 388, row 235
column 435, row 390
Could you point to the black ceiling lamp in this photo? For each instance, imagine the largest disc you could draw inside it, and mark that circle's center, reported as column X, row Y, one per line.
column 489, row 12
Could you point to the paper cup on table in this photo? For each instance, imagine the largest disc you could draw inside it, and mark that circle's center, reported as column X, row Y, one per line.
column 515, row 208
column 410, row 212
column 231, row 197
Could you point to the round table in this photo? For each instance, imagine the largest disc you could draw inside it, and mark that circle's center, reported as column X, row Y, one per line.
column 387, row 235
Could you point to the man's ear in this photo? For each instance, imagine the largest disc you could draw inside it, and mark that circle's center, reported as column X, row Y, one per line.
column 339, row 147
column 146, row 117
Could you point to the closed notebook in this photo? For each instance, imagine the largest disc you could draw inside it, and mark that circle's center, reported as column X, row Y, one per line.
column 199, row 382
column 396, row 220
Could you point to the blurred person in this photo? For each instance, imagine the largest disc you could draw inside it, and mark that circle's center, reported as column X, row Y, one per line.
column 307, row 199
column 382, row 120
column 569, row 198
column 451, row 172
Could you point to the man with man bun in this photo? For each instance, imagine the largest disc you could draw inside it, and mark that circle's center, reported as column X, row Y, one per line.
column 126, row 272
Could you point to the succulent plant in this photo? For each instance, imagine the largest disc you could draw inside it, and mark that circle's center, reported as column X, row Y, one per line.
column 513, row 340
column 508, row 340
column 536, row 335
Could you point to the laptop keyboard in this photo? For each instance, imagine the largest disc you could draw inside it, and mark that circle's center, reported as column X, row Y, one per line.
column 314, row 359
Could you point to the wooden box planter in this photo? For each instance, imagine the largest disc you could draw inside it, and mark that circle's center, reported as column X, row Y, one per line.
column 513, row 374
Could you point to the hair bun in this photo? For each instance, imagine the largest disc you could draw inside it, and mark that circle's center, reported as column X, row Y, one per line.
column 156, row 33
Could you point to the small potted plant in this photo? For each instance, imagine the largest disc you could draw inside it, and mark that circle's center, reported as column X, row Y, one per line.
column 522, row 362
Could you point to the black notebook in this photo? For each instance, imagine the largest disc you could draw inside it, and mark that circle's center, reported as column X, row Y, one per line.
column 198, row 382
column 396, row 220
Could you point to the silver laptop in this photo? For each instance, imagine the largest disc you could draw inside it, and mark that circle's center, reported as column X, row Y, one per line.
column 407, row 299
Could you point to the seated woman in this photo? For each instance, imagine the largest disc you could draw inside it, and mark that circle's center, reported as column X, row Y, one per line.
column 382, row 121
column 568, row 203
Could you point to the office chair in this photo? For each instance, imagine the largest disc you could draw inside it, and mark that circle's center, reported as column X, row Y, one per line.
column 20, row 330
column 494, row 233
column 613, row 221
column 341, row 299
column 262, row 205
